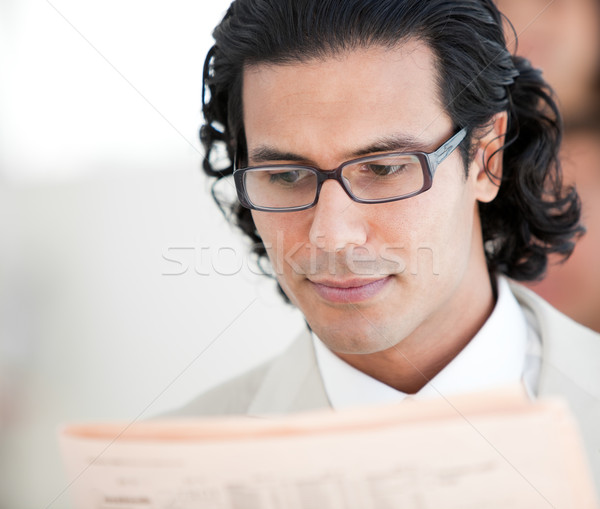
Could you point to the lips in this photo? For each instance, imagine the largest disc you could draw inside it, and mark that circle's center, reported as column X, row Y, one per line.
column 354, row 290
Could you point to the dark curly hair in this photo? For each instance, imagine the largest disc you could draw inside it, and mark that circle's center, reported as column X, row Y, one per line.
column 532, row 215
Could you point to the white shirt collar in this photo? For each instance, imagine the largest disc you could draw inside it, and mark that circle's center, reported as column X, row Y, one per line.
column 494, row 357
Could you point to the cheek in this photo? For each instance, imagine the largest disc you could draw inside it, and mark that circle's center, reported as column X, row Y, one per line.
column 437, row 224
column 271, row 225
column 281, row 233
column 263, row 224
column 433, row 214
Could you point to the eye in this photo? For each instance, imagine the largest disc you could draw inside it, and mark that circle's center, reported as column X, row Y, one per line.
column 289, row 177
column 284, row 177
column 382, row 170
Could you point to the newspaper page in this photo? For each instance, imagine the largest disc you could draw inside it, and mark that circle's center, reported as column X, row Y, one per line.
column 491, row 450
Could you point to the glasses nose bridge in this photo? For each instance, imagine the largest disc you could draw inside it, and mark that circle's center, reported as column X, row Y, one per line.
column 334, row 174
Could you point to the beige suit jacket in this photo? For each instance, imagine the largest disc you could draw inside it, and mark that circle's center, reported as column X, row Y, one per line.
column 292, row 382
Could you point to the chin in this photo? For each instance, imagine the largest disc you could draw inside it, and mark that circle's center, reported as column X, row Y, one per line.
column 353, row 340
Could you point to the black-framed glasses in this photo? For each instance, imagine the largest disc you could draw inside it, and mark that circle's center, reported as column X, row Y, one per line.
column 379, row 178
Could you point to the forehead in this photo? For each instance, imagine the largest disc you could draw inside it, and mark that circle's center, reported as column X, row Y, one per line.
column 354, row 97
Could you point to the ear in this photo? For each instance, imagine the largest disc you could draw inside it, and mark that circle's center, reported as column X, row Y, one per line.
column 487, row 164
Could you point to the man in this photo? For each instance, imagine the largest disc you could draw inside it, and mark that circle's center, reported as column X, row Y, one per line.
column 396, row 164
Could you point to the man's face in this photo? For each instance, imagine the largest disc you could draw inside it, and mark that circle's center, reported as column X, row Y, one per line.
column 368, row 276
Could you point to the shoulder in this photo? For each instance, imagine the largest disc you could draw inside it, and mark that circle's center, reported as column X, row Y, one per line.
column 551, row 323
column 231, row 397
column 570, row 366
column 290, row 382
column 568, row 347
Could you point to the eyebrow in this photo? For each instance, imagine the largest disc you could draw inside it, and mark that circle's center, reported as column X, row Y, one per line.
column 392, row 143
column 266, row 154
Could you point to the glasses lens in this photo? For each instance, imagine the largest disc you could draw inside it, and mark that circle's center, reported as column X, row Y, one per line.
column 280, row 187
column 387, row 177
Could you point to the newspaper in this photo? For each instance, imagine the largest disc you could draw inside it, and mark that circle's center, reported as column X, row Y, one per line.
column 488, row 450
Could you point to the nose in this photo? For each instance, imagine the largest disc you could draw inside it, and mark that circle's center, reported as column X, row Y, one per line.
column 338, row 221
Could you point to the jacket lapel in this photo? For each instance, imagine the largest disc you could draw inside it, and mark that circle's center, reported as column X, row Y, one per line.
column 570, row 367
column 292, row 383
column 571, row 352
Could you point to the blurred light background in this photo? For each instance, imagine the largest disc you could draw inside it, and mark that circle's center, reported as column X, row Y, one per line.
column 123, row 292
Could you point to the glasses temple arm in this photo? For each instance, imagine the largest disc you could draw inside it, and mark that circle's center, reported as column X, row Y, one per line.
column 435, row 158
